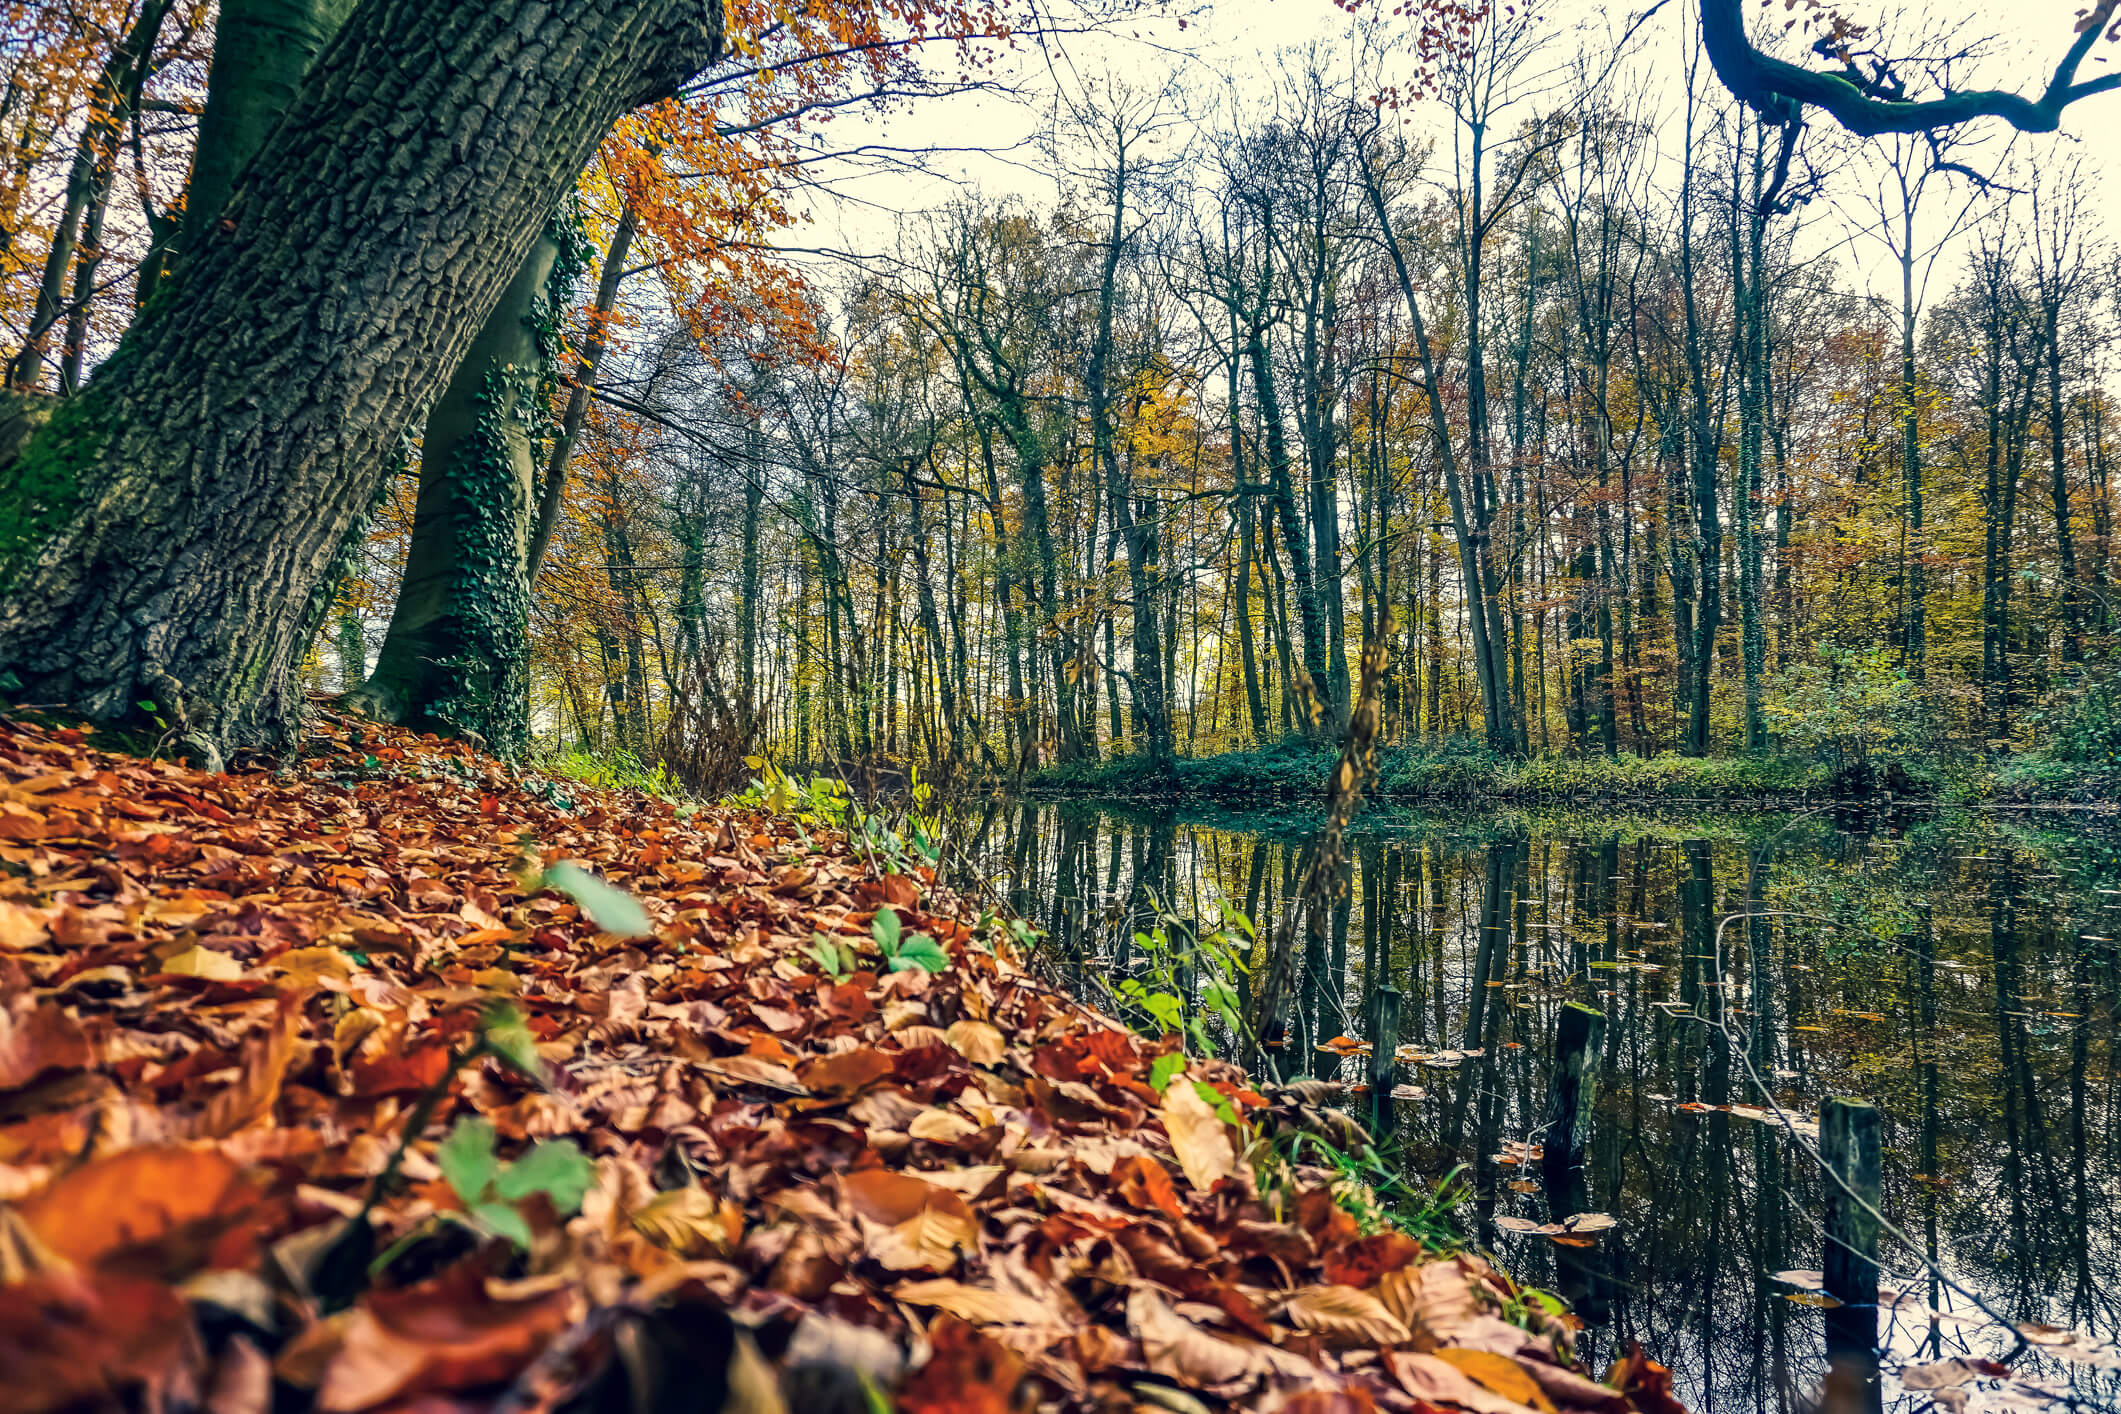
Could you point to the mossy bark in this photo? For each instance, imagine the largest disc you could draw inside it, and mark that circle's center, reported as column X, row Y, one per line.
column 455, row 658
column 165, row 533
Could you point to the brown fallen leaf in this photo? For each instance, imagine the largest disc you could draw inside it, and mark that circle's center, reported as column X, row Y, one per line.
column 441, row 1335
column 1499, row 1373
column 161, row 1204
column 1438, row 1382
column 1177, row 1349
column 978, row 1304
column 1345, row 1316
column 1198, row 1136
column 976, row 1041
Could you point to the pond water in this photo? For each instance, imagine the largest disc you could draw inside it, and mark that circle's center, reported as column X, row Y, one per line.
column 1959, row 972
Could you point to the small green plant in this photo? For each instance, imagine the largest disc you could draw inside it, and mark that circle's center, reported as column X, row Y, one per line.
column 613, row 770
column 835, row 956
column 904, row 950
column 1850, row 710
column 1177, row 965
column 492, row 1191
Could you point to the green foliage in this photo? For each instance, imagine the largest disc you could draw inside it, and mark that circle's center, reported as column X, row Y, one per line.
column 617, row 769
column 492, row 1192
column 1850, row 711
column 1456, row 770
column 40, row 490
column 904, row 951
column 483, row 642
column 2082, row 722
column 505, row 1035
column 819, row 801
column 835, row 956
column 1183, row 982
column 609, row 907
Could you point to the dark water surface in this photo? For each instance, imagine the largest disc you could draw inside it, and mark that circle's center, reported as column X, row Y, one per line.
column 1959, row 972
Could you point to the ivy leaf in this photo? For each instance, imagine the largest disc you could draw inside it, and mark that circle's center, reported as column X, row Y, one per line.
column 555, row 1168
column 467, row 1160
column 609, row 907
column 1163, row 1068
column 920, row 950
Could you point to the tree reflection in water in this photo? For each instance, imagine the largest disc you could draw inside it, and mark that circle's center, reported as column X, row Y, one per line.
column 1960, row 973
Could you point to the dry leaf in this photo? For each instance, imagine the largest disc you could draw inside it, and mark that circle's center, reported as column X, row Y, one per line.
column 1198, row 1136
column 197, row 961
column 1345, row 1316
column 979, row 1304
column 1177, row 1349
column 1499, row 1373
column 976, row 1041
column 941, row 1126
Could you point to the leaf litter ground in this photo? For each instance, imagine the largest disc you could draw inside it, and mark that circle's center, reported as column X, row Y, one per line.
column 394, row 1080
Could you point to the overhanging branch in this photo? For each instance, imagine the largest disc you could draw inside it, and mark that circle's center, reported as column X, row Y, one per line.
column 1782, row 90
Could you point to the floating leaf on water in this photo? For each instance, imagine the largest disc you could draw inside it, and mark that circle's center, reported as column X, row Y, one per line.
column 1811, row 1298
column 1803, row 1280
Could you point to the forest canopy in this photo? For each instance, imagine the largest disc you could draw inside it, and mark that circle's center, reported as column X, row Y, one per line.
column 1703, row 380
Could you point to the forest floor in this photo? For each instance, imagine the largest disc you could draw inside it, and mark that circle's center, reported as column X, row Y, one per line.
column 395, row 1079
column 1294, row 769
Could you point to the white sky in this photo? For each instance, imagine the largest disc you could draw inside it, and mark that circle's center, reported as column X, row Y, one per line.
column 1230, row 48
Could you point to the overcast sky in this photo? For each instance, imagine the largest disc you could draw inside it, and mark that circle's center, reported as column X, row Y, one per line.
column 1228, row 51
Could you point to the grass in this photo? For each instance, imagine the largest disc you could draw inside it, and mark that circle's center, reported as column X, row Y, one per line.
column 1466, row 773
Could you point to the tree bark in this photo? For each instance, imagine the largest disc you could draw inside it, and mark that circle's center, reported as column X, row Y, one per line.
column 262, row 50
column 454, row 659
column 171, row 523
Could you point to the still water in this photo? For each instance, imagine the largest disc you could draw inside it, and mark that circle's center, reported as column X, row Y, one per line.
column 1958, row 972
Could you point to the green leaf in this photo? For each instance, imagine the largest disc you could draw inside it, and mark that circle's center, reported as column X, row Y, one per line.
column 502, row 1220
column 1218, row 1102
column 467, row 1159
column 505, row 1034
column 920, row 950
column 555, row 1168
column 609, row 907
column 826, row 955
column 1163, row 1068
column 885, row 929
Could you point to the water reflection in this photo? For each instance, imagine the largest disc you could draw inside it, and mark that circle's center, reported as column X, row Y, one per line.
column 1959, row 973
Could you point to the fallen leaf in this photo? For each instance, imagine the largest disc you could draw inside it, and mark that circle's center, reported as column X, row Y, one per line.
column 1498, row 1373
column 976, row 1041
column 1345, row 1316
column 1198, row 1136
column 979, row 1304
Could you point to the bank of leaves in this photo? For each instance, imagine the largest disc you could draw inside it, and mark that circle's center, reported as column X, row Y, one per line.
column 390, row 1080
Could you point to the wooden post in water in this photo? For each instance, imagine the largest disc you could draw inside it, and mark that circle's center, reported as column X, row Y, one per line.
column 1849, row 1149
column 1383, row 1026
column 1579, row 1039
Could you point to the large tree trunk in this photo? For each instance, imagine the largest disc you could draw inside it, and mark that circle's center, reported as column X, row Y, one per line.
column 262, row 49
column 455, row 659
column 170, row 525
